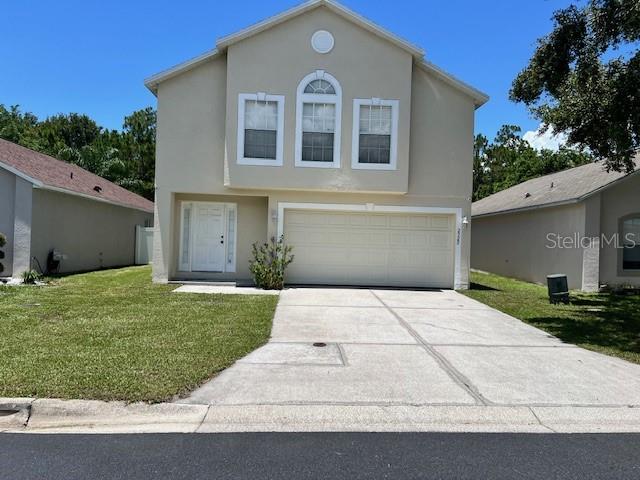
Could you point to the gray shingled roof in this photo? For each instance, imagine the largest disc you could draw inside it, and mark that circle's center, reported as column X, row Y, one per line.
column 567, row 186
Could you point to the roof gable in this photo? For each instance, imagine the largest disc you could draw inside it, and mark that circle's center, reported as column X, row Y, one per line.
column 224, row 42
column 568, row 186
column 50, row 173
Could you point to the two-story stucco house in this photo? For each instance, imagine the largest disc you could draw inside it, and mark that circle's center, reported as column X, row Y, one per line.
column 319, row 125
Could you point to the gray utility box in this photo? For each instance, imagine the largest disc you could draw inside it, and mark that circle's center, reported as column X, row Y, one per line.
column 558, row 288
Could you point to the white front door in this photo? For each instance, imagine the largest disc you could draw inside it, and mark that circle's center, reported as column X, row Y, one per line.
column 208, row 238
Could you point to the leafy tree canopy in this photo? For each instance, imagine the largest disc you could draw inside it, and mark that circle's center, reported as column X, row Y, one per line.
column 584, row 79
column 510, row 160
column 124, row 157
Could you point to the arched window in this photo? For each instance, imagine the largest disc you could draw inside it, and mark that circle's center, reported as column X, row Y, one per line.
column 318, row 119
column 320, row 86
column 631, row 243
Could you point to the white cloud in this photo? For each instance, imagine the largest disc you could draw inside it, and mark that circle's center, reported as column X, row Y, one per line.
column 546, row 140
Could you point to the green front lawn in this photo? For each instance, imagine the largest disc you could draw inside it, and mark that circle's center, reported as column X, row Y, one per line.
column 114, row 335
column 605, row 323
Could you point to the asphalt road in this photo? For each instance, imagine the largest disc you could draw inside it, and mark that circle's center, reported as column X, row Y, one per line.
column 331, row 456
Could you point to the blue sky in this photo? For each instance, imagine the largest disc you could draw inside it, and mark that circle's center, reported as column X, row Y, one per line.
column 92, row 57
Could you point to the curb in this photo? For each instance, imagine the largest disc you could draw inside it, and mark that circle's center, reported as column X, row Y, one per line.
column 14, row 412
column 92, row 416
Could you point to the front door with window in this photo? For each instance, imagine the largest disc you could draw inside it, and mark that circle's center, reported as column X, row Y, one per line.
column 208, row 237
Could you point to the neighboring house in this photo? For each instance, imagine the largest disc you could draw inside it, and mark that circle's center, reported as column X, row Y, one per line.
column 319, row 125
column 47, row 205
column 567, row 222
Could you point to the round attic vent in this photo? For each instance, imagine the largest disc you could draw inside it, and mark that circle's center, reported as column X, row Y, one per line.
column 322, row 41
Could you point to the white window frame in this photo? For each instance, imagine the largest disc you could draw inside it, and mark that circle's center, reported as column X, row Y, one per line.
column 302, row 98
column 262, row 97
column 633, row 272
column 229, row 263
column 355, row 144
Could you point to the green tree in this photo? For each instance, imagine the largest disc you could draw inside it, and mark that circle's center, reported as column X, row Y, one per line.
column 67, row 131
column 510, row 160
column 125, row 157
column 19, row 127
column 100, row 158
column 137, row 149
column 481, row 170
column 584, row 79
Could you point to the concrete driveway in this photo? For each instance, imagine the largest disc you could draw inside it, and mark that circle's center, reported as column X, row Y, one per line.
column 414, row 348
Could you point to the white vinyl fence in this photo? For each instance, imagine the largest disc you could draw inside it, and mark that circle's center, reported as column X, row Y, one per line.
column 144, row 244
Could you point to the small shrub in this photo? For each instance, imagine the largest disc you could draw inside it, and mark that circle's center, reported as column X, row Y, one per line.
column 270, row 260
column 30, row 277
column 3, row 242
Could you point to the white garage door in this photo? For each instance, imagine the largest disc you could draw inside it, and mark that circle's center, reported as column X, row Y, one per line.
column 353, row 248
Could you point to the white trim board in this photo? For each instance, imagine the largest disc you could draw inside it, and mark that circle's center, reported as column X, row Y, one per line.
column 223, row 43
column 373, row 208
column 22, row 175
column 335, row 7
column 479, row 98
column 153, row 81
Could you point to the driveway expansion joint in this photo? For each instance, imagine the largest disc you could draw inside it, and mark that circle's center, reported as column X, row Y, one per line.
column 453, row 373
column 444, row 357
column 343, row 355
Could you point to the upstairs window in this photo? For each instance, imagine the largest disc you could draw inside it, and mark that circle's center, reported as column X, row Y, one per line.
column 631, row 243
column 260, row 129
column 318, row 114
column 320, row 86
column 375, row 134
column 318, row 132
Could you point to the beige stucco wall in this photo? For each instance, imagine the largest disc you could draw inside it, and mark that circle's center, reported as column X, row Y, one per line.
column 197, row 124
column 92, row 234
column 22, row 226
column 441, row 146
column 258, row 221
column 7, row 195
column 252, row 228
column 405, row 200
column 276, row 60
column 189, row 149
column 514, row 245
column 617, row 202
